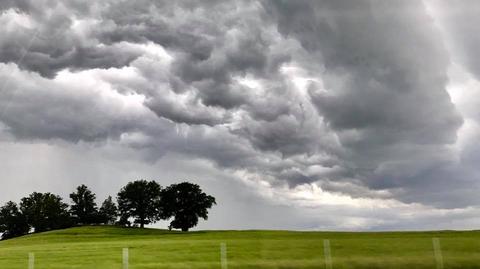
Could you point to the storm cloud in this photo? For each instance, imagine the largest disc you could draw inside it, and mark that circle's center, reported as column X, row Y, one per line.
column 308, row 105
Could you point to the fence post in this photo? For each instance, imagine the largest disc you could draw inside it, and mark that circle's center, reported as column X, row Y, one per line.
column 437, row 250
column 125, row 258
column 327, row 253
column 223, row 255
column 31, row 260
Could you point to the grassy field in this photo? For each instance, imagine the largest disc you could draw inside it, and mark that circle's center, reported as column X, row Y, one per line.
column 101, row 247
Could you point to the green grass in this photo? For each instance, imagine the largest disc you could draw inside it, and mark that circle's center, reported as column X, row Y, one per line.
column 101, row 247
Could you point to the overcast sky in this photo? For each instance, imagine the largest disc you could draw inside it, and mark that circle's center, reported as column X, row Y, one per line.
column 331, row 115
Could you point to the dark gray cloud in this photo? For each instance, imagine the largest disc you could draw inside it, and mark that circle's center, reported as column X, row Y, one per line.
column 33, row 107
column 385, row 67
column 17, row 5
column 460, row 21
column 54, row 40
column 346, row 96
column 384, row 70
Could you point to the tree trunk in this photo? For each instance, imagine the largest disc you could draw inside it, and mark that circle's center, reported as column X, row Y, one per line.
column 184, row 229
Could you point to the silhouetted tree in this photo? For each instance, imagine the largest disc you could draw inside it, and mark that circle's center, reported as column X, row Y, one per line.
column 84, row 209
column 12, row 222
column 45, row 211
column 108, row 211
column 123, row 221
column 140, row 200
column 186, row 202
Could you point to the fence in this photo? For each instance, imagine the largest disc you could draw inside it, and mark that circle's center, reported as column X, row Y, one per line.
column 223, row 261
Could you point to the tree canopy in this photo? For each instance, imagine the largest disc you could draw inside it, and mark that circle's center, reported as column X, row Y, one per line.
column 12, row 222
column 140, row 200
column 108, row 212
column 186, row 203
column 84, row 208
column 45, row 211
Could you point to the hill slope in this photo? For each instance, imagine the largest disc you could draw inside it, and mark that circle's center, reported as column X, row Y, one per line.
column 101, row 247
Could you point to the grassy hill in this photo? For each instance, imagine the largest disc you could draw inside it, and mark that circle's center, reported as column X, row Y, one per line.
column 101, row 247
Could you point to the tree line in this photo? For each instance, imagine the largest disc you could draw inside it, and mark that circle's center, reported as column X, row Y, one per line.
column 139, row 203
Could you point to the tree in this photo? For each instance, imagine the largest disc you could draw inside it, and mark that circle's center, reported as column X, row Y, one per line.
column 140, row 200
column 45, row 211
column 84, row 209
column 123, row 221
column 108, row 211
column 12, row 222
column 186, row 202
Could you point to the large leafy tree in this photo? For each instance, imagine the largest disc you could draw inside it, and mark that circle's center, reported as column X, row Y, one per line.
column 186, row 203
column 45, row 211
column 12, row 222
column 140, row 200
column 108, row 211
column 84, row 209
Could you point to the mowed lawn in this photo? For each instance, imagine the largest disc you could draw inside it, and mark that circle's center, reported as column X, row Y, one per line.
column 101, row 247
